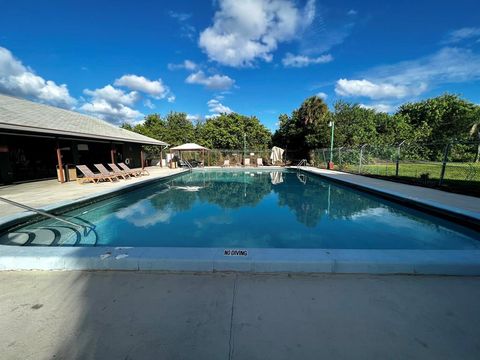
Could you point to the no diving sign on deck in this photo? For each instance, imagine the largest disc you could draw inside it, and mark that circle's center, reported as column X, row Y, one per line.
column 235, row 252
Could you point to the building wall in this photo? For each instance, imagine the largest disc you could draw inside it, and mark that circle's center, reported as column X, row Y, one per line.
column 24, row 158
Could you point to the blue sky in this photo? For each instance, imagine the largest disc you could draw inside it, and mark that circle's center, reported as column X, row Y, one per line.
column 255, row 57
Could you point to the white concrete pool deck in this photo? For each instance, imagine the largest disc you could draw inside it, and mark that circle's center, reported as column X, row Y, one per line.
column 146, row 315
column 48, row 194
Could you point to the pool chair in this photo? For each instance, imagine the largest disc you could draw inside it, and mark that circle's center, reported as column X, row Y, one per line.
column 246, row 162
column 226, row 163
column 104, row 171
column 89, row 176
column 116, row 169
column 137, row 170
column 259, row 162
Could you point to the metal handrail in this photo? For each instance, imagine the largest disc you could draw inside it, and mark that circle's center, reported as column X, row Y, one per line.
column 44, row 213
column 302, row 162
column 188, row 164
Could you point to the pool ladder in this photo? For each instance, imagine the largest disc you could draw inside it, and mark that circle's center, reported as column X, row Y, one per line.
column 302, row 162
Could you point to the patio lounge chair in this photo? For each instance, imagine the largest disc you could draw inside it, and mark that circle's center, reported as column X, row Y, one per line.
column 138, row 170
column 89, row 176
column 116, row 169
column 104, row 171
column 259, row 162
column 246, row 162
column 226, row 163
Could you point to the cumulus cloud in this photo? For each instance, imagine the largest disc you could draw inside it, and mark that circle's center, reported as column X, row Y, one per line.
column 380, row 107
column 154, row 88
column 214, row 82
column 412, row 78
column 113, row 95
column 112, row 104
column 216, row 107
column 322, row 95
column 365, row 88
column 244, row 31
column 149, row 104
column 186, row 64
column 465, row 33
column 19, row 80
column 298, row 61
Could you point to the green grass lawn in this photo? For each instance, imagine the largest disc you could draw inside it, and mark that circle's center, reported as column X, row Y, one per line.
column 459, row 177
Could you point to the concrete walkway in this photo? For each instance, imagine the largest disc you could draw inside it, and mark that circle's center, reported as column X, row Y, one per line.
column 137, row 315
column 461, row 204
column 39, row 194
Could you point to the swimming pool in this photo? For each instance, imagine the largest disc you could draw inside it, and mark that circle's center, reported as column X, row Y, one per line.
column 248, row 209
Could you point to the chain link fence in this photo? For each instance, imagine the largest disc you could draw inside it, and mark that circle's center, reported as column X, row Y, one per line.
column 452, row 165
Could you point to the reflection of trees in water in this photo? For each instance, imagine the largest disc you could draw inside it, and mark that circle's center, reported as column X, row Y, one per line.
column 233, row 190
column 175, row 199
column 228, row 190
column 310, row 202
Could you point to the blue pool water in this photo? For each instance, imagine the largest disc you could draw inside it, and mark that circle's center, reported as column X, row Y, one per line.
column 245, row 209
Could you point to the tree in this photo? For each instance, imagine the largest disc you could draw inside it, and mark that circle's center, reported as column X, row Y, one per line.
column 306, row 129
column 448, row 117
column 226, row 131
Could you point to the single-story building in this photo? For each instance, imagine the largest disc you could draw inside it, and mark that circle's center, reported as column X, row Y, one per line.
column 35, row 139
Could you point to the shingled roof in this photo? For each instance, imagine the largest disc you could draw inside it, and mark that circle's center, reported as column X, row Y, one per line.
column 24, row 115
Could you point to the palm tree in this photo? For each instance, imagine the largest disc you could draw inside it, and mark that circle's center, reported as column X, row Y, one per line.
column 312, row 110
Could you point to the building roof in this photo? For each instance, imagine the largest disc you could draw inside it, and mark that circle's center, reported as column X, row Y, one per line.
column 188, row 147
column 24, row 115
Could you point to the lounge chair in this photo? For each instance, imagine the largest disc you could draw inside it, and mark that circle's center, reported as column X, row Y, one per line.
column 140, row 171
column 226, row 163
column 246, row 162
column 116, row 169
column 89, row 176
column 104, row 171
column 259, row 162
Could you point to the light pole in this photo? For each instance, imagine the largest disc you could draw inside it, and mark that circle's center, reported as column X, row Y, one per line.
column 244, row 146
column 330, row 163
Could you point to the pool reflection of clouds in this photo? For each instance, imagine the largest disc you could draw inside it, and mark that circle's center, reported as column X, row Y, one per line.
column 144, row 214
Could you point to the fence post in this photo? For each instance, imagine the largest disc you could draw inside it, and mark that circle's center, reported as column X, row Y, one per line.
column 397, row 165
column 360, row 160
column 444, row 163
column 340, row 156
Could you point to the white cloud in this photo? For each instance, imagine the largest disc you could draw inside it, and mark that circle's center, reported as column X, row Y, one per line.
column 186, row 64
column 214, row 82
column 216, row 107
column 322, row 95
column 193, row 117
column 171, row 98
column 149, row 104
column 112, row 104
column 298, row 61
column 154, row 88
column 185, row 28
column 412, row 78
column 380, row 107
column 113, row 95
column 244, row 31
column 115, row 114
column 366, row 88
column 19, row 80
column 352, row 12
column 463, row 34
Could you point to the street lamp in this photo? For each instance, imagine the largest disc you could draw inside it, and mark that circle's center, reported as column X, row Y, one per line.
column 330, row 163
column 244, row 146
